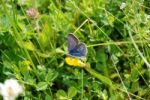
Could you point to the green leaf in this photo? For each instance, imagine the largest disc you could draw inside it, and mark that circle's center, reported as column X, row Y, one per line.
column 61, row 94
column 27, row 45
column 72, row 92
column 111, row 19
column 51, row 75
column 48, row 97
column 41, row 86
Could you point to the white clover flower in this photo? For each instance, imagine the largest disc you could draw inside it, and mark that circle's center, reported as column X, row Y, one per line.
column 1, row 86
column 122, row 6
column 10, row 89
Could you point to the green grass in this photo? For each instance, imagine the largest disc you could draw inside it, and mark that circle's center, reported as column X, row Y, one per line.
column 33, row 50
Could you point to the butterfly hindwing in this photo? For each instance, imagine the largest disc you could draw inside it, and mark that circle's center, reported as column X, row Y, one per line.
column 72, row 42
column 81, row 48
column 79, row 51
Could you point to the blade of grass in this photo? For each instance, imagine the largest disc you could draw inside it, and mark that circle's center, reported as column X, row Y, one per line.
column 136, row 47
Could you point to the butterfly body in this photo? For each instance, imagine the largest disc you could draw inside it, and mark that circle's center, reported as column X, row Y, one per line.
column 75, row 48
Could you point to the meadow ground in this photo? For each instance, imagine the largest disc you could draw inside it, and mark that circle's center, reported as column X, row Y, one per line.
column 33, row 49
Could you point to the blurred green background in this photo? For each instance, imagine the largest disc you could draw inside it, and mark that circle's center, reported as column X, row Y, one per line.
column 33, row 46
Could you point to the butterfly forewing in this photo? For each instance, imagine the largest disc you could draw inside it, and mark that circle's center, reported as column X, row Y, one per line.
column 72, row 42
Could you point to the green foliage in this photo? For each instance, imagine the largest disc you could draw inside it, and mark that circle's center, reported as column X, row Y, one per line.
column 33, row 47
column 62, row 95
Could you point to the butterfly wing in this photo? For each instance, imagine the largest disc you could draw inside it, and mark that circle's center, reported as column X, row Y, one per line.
column 79, row 51
column 72, row 42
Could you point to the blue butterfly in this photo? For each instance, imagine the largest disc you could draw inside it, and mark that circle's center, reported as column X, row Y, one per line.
column 75, row 48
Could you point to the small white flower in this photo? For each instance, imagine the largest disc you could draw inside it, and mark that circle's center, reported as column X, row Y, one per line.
column 147, row 31
column 10, row 89
column 123, row 5
column 1, row 86
column 148, row 16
